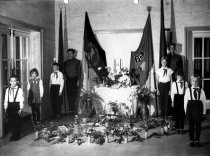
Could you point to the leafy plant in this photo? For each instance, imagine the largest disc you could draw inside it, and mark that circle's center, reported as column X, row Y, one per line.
column 89, row 100
column 114, row 106
column 145, row 95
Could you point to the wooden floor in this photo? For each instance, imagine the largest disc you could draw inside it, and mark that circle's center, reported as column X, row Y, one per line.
column 174, row 145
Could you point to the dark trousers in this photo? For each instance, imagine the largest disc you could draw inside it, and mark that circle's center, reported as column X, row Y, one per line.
column 56, row 100
column 72, row 90
column 179, row 111
column 194, row 127
column 14, row 118
column 163, row 98
column 35, row 111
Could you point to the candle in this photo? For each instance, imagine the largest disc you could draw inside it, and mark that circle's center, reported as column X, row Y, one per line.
column 106, row 139
column 146, row 134
column 36, row 135
column 89, row 139
column 126, row 139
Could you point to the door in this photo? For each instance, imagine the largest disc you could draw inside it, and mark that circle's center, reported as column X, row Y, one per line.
column 14, row 45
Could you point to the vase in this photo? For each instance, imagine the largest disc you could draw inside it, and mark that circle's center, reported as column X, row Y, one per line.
column 145, row 112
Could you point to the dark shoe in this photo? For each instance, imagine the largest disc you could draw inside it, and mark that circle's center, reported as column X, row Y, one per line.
column 12, row 138
column 191, row 144
column 181, row 131
column 197, row 144
column 177, row 131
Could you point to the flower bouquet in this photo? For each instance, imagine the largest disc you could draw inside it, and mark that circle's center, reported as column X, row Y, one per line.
column 145, row 96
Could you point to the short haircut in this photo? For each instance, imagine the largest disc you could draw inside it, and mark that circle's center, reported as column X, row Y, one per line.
column 71, row 50
column 34, row 70
column 14, row 76
column 56, row 64
column 180, row 73
column 164, row 58
column 196, row 76
column 173, row 44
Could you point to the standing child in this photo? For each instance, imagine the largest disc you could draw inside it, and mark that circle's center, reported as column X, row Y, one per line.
column 35, row 93
column 164, row 86
column 13, row 105
column 56, row 89
column 178, row 89
column 195, row 108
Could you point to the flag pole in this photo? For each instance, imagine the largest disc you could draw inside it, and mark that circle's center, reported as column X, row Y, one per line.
column 154, row 77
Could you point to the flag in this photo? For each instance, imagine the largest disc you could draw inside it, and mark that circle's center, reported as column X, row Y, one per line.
column 173, row 38
column 142, row 59
column 94, row 54
column 163, row 48
column 60, row 44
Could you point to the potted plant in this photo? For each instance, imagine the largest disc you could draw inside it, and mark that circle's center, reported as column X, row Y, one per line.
column 145, row 96
column 90, row 103
column 114, row 106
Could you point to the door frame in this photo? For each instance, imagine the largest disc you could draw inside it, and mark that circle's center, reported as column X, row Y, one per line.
column 189, row 50
column 8, row 22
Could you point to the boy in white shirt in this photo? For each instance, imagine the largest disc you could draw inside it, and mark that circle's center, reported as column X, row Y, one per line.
column 13, row 105
column 56, row 88
column 164, row 80
column 178, row 89
column 195, row 108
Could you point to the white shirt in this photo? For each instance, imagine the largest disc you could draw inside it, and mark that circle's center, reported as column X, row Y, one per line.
column 174, row 89
column 188, row 97
column 41, row 88
column 57, row 80
column 166, row 78
column 20, row 97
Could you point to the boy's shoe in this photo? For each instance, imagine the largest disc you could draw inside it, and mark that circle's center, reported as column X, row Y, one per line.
column 181, row 131
column 191, row 144
column 197, row 144
column 177, row 131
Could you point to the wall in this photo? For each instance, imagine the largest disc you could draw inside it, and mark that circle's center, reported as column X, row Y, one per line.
column 41, row 14
column 124, row 14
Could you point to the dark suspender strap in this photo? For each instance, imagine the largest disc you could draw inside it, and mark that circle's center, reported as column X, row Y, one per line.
column 191, row 93
column 16, row 94
column 177, row 88
column 184, row 88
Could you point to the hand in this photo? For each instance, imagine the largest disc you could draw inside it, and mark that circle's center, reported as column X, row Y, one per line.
column 19, row 112
column 60, row 93
column 169, row 93
column 172, row 104
column 158, row 93
column 5, row 111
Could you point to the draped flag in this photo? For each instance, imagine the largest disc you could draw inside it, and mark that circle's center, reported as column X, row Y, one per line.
column 173, row 38
column 142, row 59
column 60, row 44
column 163, row 48
column 94, row 54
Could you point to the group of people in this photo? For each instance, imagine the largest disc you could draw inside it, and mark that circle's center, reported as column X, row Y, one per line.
column 186, row 101
column 14, row 97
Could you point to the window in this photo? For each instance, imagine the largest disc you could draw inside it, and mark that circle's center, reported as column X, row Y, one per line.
column 201, row 58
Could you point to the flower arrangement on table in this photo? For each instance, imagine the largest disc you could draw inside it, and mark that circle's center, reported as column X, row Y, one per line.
column 114, row 106
column 145, row 96
column 88, row 101
column 120, row 78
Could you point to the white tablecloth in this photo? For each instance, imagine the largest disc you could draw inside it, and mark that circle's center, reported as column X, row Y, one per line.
column 121, row 95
